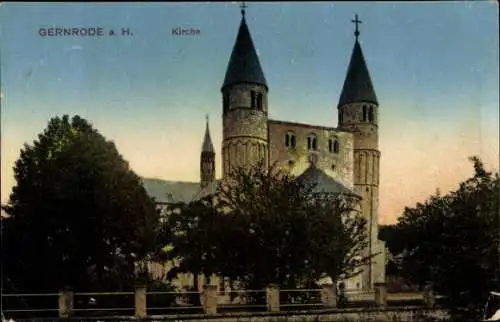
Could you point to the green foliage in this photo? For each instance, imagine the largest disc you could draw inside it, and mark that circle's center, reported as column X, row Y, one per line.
column 263, row 227
column 451, row 242
column 80, row 216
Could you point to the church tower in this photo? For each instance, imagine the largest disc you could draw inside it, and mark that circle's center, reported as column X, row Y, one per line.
column 244, row 106
column 358, row 114
column 207, row 160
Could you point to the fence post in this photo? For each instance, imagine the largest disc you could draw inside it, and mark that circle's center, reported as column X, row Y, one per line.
column 140, row 301
column 329, row 295
column 381, row 294
column 429, row 296
column 65, row 302
column 273, row 298
column 210, row 299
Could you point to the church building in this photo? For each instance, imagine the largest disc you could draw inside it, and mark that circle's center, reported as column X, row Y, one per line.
column 342, row 159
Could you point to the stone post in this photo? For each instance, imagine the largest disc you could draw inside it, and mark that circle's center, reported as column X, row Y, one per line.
column 273, row 298
column 429, row 296
column 210, row 299
column 381, row 294
column 140, row 301
column 65, row 303
column 329, row 295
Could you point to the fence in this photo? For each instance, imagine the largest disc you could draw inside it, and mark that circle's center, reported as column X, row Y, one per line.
column 142, row 303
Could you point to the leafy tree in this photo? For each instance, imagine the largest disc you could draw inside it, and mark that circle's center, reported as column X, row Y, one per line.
column 191, row 229
column 265, row 228
column 452, row 242
column 79, row 216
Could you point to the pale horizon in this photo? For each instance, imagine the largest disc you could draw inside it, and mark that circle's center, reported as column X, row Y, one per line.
column 434, row 68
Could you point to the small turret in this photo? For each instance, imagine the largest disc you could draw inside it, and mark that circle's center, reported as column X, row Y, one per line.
column 207, row 160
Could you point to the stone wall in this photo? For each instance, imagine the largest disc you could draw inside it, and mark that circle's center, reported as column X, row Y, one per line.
column 244, row 128
column 346, row 315
column 296, row 159
column 407, row 314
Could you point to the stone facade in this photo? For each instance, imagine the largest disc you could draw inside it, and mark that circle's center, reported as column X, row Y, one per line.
column 361, row 119
column 296, row 158
column 348, row 154
column 245, row 129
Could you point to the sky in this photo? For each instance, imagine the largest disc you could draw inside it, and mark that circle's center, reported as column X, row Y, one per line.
column 434, row 67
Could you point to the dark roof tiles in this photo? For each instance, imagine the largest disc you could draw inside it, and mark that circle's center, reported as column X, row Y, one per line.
column 357, row 85
column 244, row 65
column 323, row 183
column 207, row 142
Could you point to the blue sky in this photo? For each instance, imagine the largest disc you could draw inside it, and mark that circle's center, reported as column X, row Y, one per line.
column 434, row 67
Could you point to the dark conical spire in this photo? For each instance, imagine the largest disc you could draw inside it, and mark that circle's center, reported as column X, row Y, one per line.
column 357, row 85
column 244, row 65
column 207, row 141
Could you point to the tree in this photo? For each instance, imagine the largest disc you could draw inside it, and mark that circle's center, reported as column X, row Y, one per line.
column 79, row 216
column 267, row 228
column 190, row 228
column 452, row 242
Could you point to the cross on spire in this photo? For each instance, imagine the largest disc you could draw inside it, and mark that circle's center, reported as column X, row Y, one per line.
column 356, row 22
column 243, row 6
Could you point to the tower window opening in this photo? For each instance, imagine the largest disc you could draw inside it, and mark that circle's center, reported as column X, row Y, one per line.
column 311, row 142
column 370, row 114
column 225, row 103
column 256, row 100
column 259, row 101
column 365, row 112
column 290, row 140
column 341, row 116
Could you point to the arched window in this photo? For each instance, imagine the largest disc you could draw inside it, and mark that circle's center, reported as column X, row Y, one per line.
column 370, row 114
column 312, row 142
column 333, row 145
column 256, row 100
column 341, row 116
column 260, row 105
column 364, row 113
column 290, row 140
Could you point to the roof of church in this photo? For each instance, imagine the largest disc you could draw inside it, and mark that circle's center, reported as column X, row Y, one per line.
column 322, row 182
column 244, row 65
column 357, row 85
column 177, row 191
column 207, row 141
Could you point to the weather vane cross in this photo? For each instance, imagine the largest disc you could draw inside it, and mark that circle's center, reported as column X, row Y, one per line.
column 243, row 6
column 356, row 22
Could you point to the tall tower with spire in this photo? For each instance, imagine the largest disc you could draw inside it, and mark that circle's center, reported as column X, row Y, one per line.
column 207, row 160
column 244, row 106
column 358, row 114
